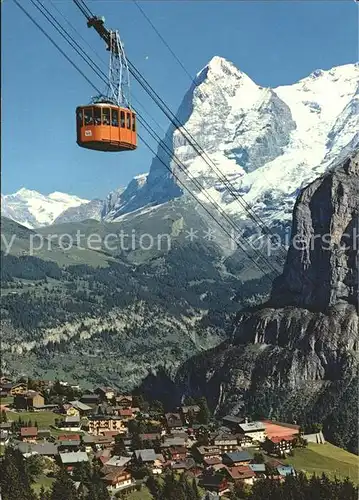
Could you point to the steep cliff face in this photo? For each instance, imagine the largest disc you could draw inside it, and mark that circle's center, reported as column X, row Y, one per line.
column 322, row 269
column 296, row 357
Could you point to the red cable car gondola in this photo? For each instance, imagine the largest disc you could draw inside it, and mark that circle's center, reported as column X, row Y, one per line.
column 109, row 124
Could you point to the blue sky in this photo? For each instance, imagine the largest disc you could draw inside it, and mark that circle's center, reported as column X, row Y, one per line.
column 274, row 42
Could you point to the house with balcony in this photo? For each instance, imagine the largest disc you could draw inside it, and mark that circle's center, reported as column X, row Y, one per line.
column 240, row 474
column 214, row 483
column 203, row 453
column 28, row 434
column 177, row 453
column 106, row 393
column 279, row 445
column 99, row 424
column 69, row 442
column 117, row 478
column 173, row 421
column 70, row 423
column 226, row 442
column 14, row 389
column 124, row 401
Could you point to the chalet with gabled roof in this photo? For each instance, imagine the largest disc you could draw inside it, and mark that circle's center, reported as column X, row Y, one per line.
column 237, row 458
column 124, row 401
column 28, row 434
column 226, row 442
column 215, row 483
column 173, row 421
column 240, row 473
column 117, row 478
column 279, row 445
column 28, row 400
column 105, row 393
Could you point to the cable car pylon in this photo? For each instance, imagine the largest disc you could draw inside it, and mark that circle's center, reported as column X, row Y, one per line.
column 108, row 123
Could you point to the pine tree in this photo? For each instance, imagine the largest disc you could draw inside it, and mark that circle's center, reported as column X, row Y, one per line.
column 14, row 478
column 258, row 458
column 119, row 448
column 63, row 488
column 189, row 491
column 196, row 492
column 44, row 494
column 348, row 490
column 154, row 487
column 204, row 413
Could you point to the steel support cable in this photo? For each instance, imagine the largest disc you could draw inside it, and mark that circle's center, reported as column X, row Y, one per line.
column 179, row 180
column 150, row 131
column 69, row 39
column 224, row 178
column 197, row 148
column 266, row 228
column 268, row 231
column 83, row 7
column 191, row 140
column 102, row 75
column 94, row 66
column 162, row 39
column 77, row 32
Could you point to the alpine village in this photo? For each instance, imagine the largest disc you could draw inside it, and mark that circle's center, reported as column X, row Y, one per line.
column 61, row 442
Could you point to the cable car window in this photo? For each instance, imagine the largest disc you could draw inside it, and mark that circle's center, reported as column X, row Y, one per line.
column 97, row 116
column 80, row 117
column 88, row 114
column 133, row 122
column 106, row 116
column 128, row 121
column 114, row 118
column 122, row 124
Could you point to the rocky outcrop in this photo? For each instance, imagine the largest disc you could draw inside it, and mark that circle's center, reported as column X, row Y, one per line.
column 296, row 357
column 322, row 269
column 91, row 210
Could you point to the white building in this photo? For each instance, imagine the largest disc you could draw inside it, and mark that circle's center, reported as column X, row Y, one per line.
column 255, row 430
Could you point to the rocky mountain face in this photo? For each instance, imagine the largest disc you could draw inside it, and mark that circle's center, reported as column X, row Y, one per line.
column 91, row 210
column 296, row 356
column 268, row 142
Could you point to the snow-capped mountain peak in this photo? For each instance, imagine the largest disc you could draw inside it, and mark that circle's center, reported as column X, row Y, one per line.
column 268, row 142
column 33, row 209
column 66, row 198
